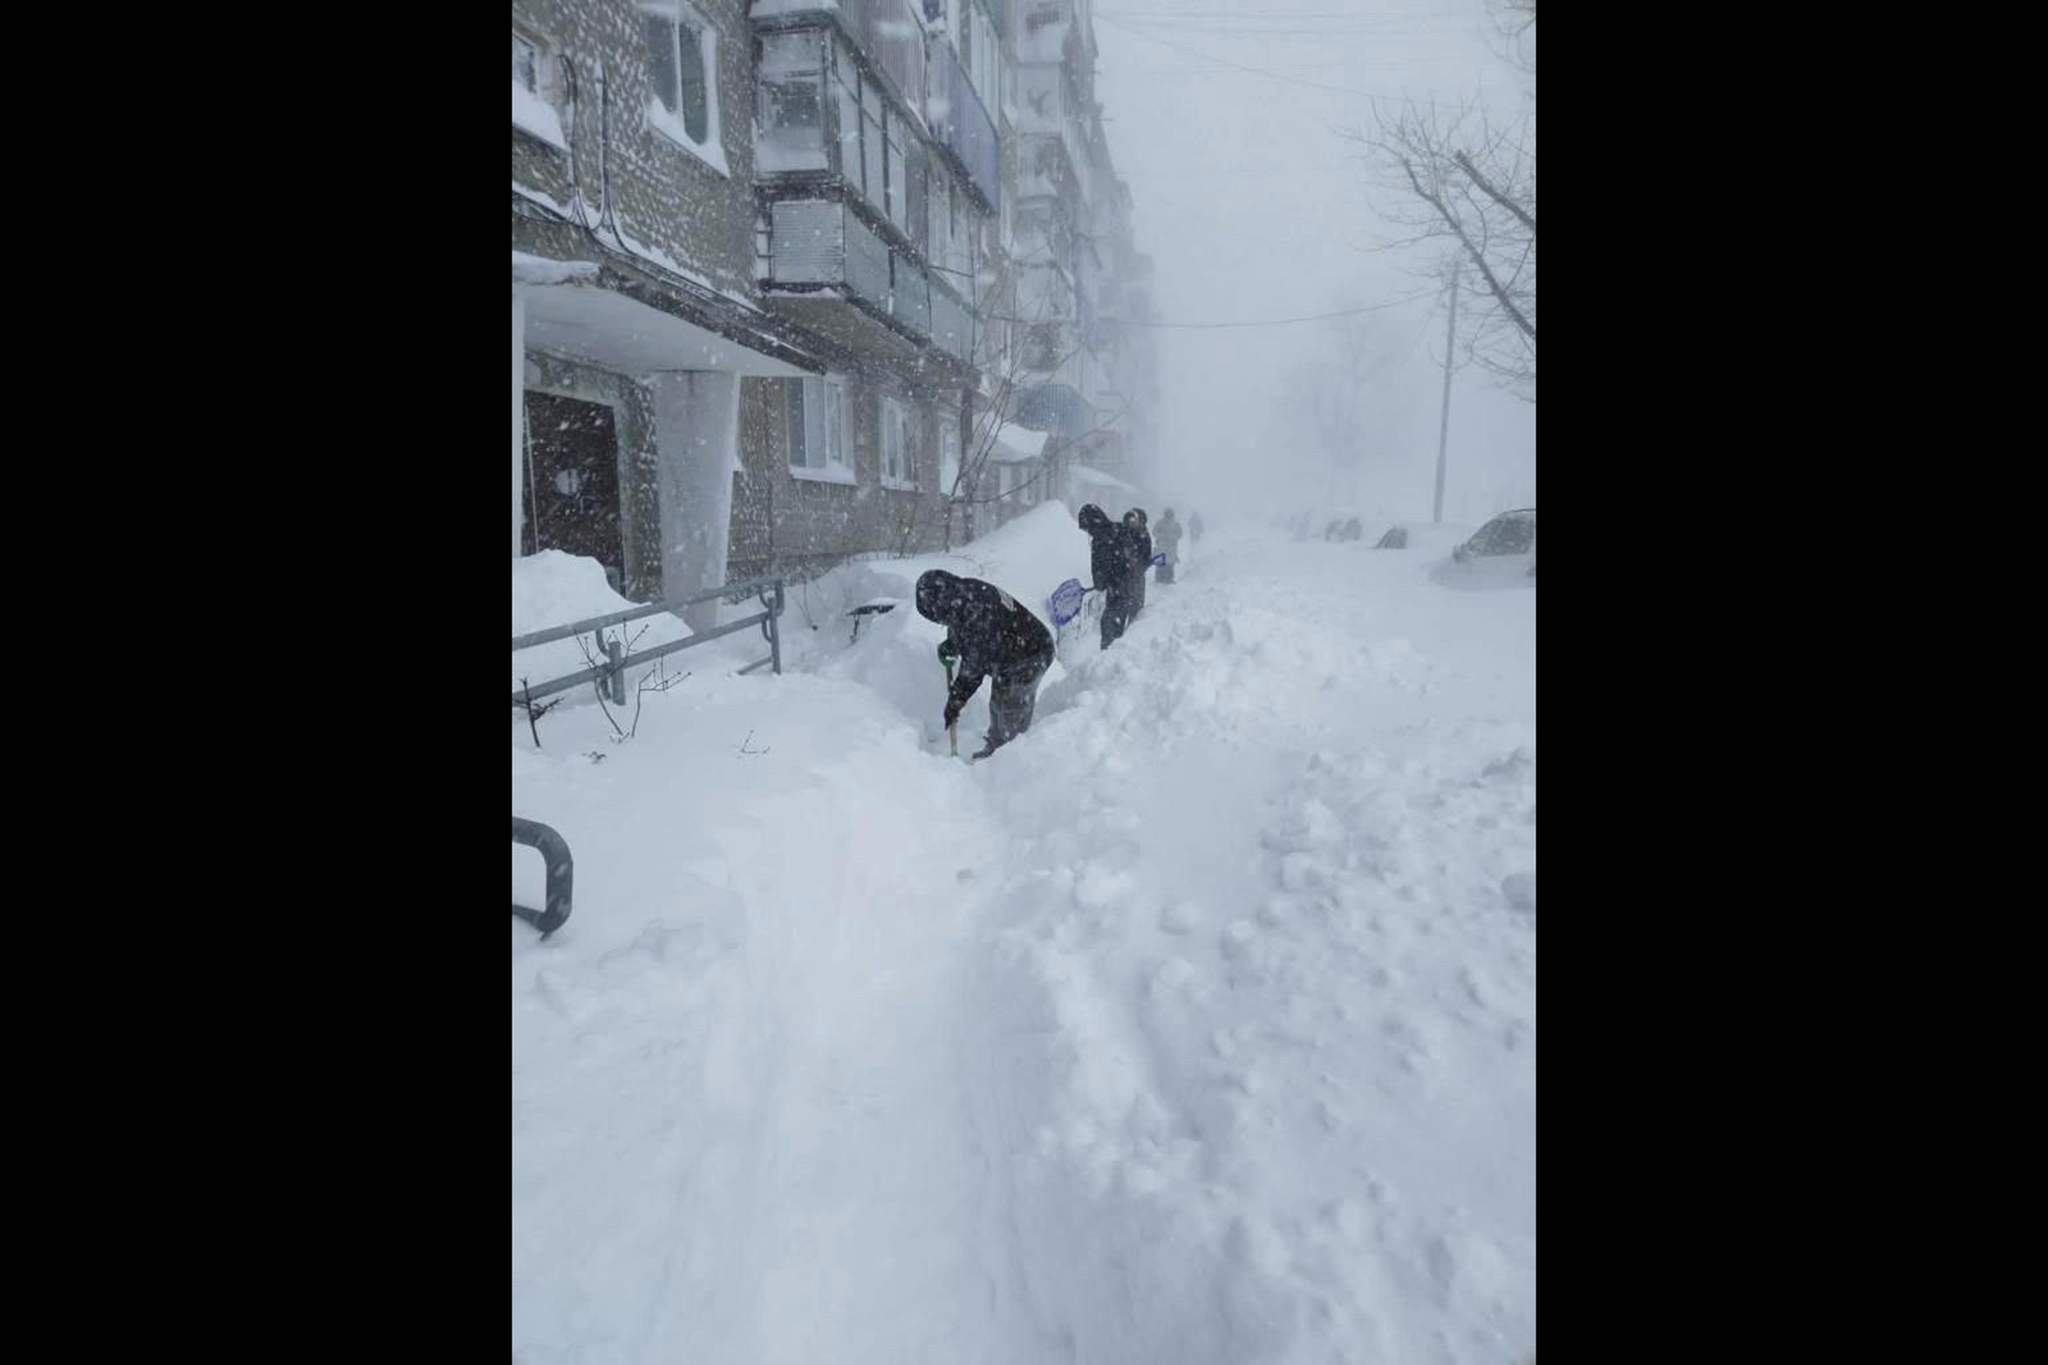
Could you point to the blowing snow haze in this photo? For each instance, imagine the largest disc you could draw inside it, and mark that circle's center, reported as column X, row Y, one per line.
column 1227, row 122
column 959, row 918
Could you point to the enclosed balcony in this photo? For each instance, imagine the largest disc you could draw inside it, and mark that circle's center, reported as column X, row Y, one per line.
column 886, row 32
column 820, row 251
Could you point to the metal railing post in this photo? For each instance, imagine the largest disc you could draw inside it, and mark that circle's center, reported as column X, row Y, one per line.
column 775, row 628
column 615, row 650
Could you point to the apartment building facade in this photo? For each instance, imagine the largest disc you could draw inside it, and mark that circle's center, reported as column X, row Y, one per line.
column 768, row 271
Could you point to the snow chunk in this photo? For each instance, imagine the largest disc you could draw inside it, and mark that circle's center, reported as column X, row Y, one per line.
column 1018, row 445
column 554, row 588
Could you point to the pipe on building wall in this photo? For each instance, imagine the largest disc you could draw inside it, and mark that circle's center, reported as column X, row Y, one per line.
column 518, row 411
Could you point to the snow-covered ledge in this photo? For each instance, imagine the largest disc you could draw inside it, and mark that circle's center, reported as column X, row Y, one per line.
column 670, row 126
column 831, row 473
column 541, row 270
column 535, row 115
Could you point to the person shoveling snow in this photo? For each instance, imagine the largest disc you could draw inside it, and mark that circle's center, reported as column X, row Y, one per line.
column 991, row 635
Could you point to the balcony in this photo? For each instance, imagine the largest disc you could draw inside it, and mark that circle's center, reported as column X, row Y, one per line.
column 822, row 247
column 957, row 118
column 886, row 32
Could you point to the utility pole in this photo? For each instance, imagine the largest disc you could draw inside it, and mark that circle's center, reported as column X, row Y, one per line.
column 1443, row 436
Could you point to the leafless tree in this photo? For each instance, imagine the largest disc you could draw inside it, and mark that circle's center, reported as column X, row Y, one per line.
column 1337, row 398
column 1464, row 181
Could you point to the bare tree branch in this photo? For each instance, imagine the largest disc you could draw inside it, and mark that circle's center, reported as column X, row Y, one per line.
column 1528, row 219
column 1462, row 181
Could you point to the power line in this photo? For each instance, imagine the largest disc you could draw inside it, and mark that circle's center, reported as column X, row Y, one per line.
column 1258, row 322
column 1260, row 71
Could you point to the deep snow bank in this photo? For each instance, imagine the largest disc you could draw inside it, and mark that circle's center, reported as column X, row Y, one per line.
column 896, row 652
column 553, row 588
column 1197, row 1026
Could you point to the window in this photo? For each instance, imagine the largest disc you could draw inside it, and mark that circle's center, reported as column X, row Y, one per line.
column 944, row 250
column 914, row 220
column 532, row 110
column 525, row 64
column 871, row 143
column 791, row 95
column 978, row 54
column 682, row 72
column 898, row 468
column 879, row 156
column 814, row 417
column 965, row 225
column 846, row 89
column 1512, row 535
column 949, row 455
column 898, row 177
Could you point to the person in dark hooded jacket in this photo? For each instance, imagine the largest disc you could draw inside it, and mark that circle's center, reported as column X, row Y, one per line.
column 1138, row 556
column 1109, row 566
column 992, row 635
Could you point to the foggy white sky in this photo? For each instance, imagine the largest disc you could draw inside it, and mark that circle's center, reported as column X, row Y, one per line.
column 1252, row 207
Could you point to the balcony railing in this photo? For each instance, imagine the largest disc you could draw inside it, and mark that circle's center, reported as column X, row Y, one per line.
column 822, row 242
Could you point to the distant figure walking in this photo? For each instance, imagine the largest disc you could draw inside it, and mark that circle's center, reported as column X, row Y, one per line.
column 1194, row 527
column 1168, row 541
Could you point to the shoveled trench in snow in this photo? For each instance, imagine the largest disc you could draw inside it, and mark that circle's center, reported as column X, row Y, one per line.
column 1197, row 1025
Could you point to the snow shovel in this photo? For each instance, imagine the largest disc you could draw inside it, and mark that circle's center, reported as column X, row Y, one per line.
column 953, row 730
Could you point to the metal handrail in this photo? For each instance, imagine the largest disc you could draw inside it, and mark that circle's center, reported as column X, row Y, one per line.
column 553, row 633
column 554, row 849
column 614, row 668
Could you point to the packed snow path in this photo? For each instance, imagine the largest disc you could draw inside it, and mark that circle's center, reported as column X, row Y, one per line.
column 1198, row 1025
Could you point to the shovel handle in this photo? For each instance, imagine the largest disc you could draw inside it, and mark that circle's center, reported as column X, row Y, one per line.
column 953, row 730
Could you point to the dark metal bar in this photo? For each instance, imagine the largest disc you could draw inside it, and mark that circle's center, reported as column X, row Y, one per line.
column 775, row 629
column 615, row 650
column 561, row 874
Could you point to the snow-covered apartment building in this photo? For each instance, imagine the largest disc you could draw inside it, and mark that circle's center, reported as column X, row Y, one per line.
column 780, row 268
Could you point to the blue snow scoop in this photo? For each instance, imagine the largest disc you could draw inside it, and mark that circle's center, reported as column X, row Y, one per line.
column 1159, row 560
column 1065, row 602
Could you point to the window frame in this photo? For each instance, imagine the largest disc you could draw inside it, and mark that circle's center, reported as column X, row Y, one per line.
column 823, row 424
column 520, row 40
column 772, row 79
column 949, row 454
column 673, row 124
column 895, row 415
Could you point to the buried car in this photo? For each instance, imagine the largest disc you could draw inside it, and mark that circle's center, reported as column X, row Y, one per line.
column 1509, row 534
